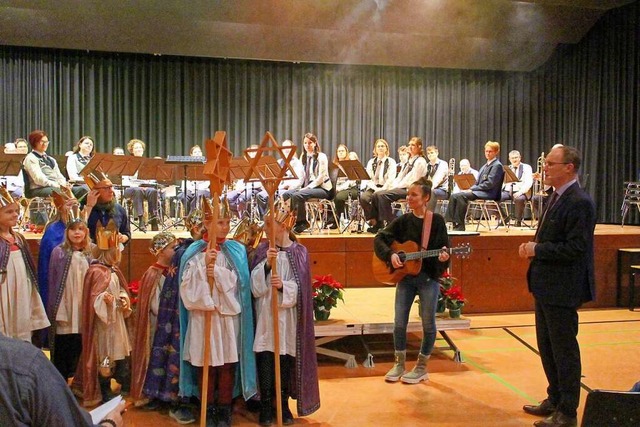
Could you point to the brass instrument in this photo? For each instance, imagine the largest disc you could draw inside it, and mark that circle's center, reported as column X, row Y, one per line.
column 538, row 177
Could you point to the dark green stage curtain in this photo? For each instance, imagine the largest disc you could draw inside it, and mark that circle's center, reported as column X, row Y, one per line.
column 585, row 96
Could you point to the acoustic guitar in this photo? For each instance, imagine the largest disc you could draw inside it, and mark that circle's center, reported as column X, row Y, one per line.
column 411, row 257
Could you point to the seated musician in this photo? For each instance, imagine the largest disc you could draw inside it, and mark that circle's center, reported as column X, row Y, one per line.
column 242, row 193
column 519, row 192
column 316, row 183
column 438, row 174
column 487, row 187
column 83, row 151
column 465, row 169
column 344, row 186
column 42, row 170
column 15, row 183
column 414, row 169
column 290, row 184
column 138, row 190
column 195, row 189
column 382, row 172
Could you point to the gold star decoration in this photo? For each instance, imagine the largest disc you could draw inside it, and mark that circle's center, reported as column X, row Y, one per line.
column 266, row 167
column 218, row 159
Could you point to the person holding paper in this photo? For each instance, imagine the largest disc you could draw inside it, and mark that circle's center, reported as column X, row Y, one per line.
column 32, row 389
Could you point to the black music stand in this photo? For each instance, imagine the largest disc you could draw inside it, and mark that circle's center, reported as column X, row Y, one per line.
column 353, row 171
column 163, row 174
column 509, row 178
column 189, row 169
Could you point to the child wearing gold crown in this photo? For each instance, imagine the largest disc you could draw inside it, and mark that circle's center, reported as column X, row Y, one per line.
column 232, row 362
column 298, row 364
column 21, row 309
column 146, row 315
column 68, row 265
column 105, row 306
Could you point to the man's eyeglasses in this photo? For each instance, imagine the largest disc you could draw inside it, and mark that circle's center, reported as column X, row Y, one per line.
column 556, row 163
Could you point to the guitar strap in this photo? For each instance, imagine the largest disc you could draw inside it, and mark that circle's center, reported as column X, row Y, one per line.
column 426, row 229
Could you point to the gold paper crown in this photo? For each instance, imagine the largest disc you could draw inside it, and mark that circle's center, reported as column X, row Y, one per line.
column 248, row 233
column 207, row 209
column 6, row 198
column 283, row 213
column 96, row 177
column 68, row 213
column 107, row 237
column 161, row 241
column 194, row 218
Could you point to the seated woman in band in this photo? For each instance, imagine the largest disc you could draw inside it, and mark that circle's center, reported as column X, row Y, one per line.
column 83, row 151
column 316, row 182
column 414, row 169
column 42, row 170
column 137, row 193
column 344, row 186
column 382, row 172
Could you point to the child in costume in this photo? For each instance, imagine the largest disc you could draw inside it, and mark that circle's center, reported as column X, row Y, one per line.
column 297, row 352
column 21, row 309
column 166, row 366
column 146, row 315
column 231, row 360
column 106, row 305
column 68, row 266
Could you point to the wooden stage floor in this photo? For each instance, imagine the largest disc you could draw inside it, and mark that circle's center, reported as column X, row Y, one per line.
column 493, row 277
column 501, row 372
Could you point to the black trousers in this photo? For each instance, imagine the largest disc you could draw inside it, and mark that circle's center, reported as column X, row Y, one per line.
column 67, row 349
column 266, row 373
column 556, row 333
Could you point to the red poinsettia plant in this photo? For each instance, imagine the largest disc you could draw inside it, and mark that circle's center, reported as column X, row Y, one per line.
column 326, row 292
column 134, row 288
column 450, row 292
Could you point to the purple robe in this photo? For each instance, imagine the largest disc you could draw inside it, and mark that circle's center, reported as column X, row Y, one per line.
column 304, row 378
column 59, row 263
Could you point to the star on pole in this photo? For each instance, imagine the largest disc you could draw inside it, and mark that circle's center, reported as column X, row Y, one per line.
column 265, row 168
column 218, row 159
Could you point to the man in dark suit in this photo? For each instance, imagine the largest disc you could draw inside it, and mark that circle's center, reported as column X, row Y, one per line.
column 561, row 278
column 487, row 187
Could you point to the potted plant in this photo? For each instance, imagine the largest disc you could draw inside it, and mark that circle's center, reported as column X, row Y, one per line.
column 455, row 300
column 326, row 293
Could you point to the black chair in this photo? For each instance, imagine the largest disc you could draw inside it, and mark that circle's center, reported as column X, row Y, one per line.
column 605, row 408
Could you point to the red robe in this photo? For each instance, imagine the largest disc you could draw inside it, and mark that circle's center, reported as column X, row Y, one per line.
column 85, row 382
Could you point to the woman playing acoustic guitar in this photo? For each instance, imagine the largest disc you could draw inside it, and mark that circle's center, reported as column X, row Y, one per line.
column 409, row 228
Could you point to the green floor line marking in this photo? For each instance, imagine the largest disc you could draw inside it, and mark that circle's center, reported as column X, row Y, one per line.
column 498, row 378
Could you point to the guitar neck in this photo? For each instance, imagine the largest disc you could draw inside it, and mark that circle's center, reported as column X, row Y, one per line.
column 424, row 254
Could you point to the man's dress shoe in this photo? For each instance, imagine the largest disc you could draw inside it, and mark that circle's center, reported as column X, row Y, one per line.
column 544, row 409
column 558, row 419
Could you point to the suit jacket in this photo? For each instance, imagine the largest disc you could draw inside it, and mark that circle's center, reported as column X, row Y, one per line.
column 489, row 183
column 561, row 273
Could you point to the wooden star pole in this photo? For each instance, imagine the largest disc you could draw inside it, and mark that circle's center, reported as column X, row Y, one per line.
column 270, row 174
column 217, row 169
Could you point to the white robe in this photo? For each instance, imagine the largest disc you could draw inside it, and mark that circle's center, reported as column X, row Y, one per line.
column 287, row 311
column 21, row 308
column 111, row 330
column 69, row 315
column 222, row 303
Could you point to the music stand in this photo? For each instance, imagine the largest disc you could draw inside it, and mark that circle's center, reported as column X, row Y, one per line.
column 161, row 173
column 353, row 171
column 11, row 164
column 509, row 178
column 465, row 181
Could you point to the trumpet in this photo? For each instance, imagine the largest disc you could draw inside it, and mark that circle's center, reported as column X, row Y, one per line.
column 538, row 176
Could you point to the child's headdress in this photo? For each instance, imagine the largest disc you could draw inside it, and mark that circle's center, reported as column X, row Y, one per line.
column 283, row 213
column 161, row 241
column 194, row 218
column 248, row 233
column 6, row 198
column 70, row 213
column 97, row 177
column 207, row 208
column 107, row 237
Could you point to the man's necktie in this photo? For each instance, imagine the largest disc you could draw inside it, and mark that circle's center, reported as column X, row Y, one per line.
column 552, row 201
